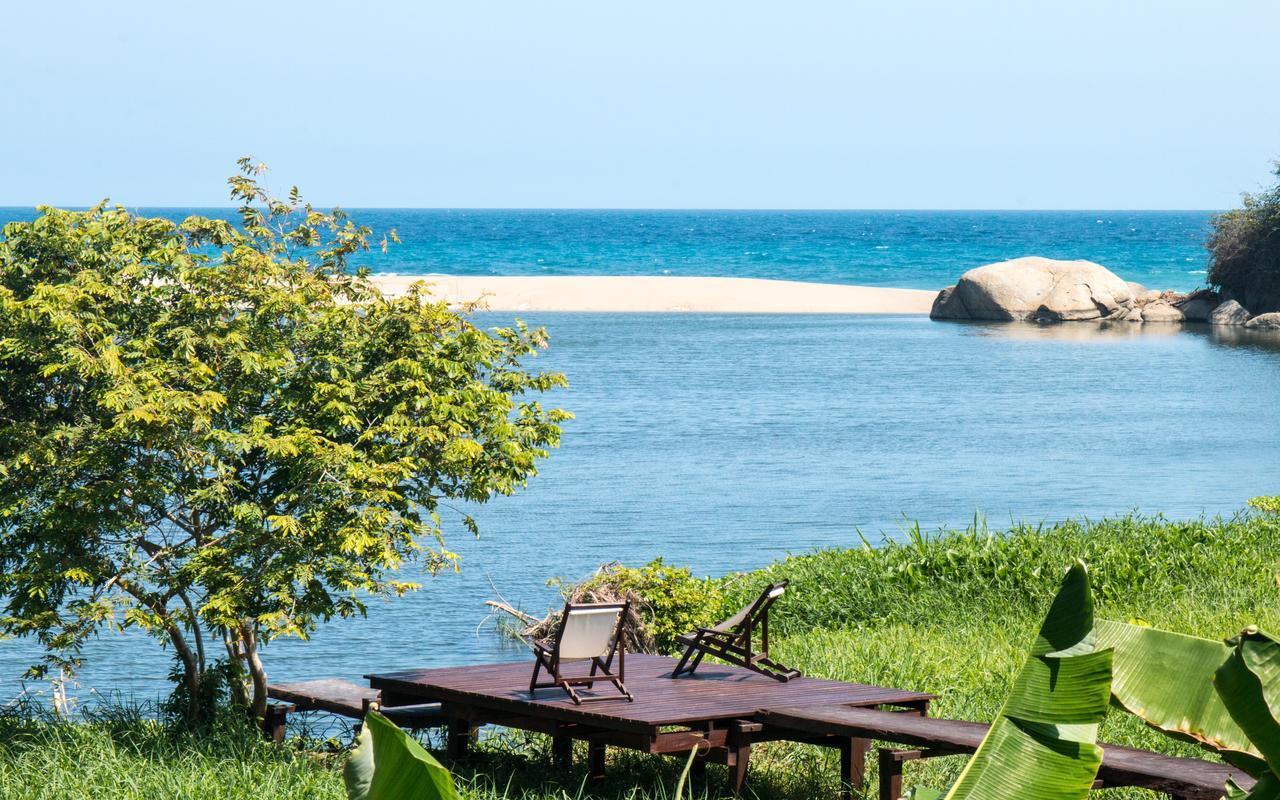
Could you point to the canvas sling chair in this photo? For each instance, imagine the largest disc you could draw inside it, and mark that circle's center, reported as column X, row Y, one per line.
column 731, row 640
column 590, row 633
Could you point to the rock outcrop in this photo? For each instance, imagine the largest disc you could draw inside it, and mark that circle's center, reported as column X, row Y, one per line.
column 1229, row 313
column 1034, row 288
column 1265, row 322
column 1162, row 311
column 1038, row 289
column 1197, row 306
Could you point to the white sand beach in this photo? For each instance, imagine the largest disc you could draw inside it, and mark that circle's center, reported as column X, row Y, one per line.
column 640, row 294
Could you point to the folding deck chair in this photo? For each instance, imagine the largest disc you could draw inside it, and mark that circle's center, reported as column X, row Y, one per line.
column 591, row 632
column 730, row 640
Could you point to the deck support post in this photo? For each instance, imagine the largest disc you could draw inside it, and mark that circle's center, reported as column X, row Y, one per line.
column 853, row 764
column 698, row 773
column 562, row 749
column 275, row 720
column 738, row 752
column 595, row 759
column 459, row 738
column 890, row 764
column 738, row 758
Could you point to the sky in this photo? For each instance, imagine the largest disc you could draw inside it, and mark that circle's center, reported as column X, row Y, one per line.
column 1094, row 105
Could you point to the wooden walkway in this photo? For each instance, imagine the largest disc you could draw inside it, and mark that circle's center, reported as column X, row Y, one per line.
column 1185, row 778
column 717, row 710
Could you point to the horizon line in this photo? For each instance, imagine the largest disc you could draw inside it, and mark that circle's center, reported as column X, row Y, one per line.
column 931, row 209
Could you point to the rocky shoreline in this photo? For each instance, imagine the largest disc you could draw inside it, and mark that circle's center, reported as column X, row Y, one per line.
column 1035, row 289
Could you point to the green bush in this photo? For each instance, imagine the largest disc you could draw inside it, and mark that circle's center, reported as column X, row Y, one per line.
column 671, row 601
column 1268, row 505
column 1244, row 250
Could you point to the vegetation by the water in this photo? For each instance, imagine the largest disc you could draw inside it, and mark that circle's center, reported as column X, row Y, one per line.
column 224, row 433
column 1244, row 250
column 950, row 614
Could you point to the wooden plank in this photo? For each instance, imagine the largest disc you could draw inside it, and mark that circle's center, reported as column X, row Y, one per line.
column 348, row 699
column 1121, row 766
column 330, row 694
column 884, row 726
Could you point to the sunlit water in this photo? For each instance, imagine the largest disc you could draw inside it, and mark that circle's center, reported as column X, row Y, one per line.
column 724, row 442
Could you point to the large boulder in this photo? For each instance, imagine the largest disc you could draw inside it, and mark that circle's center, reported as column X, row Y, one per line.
column 1034, row 288
column 1229, row 313
column 1161, row 311
column 1197, row 306
column 1265, row 322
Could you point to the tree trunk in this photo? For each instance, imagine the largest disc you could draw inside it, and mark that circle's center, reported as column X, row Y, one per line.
column 257, row 674
column 191, row 671
column 239, row 689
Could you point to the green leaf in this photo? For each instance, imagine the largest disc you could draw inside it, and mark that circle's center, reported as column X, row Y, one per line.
column 1043, row 744
column 1267, row 788
column 388, row 764
column 1248, row 683
column 1167, row 680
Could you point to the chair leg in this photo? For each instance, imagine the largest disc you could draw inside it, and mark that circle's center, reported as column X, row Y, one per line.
column 684, row 659
column 537, row 666
column 622, row 688
column 577, row 701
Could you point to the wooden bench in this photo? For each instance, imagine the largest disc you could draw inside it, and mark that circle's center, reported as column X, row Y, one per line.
column 343, row 698
column 1185, row 778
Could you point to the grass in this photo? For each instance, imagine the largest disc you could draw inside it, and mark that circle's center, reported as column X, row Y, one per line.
column 950, row 614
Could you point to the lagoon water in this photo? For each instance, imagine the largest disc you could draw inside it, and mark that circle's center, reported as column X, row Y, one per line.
column 726, row 441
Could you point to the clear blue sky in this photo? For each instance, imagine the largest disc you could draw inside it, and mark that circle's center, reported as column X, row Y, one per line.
column 600, row 104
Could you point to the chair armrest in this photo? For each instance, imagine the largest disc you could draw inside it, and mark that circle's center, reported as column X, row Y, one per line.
column 730, row 634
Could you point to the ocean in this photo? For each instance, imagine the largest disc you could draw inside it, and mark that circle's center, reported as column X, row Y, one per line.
column 723, row 442
column 909, row 249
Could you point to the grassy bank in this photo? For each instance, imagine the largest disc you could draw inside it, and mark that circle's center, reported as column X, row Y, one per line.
column 949, row 614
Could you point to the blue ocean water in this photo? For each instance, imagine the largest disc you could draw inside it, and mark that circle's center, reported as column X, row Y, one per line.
column 912, row 249
column 726, row 441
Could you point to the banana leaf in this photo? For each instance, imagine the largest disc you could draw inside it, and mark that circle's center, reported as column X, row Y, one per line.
column 1249, row 684
column 1167, row 680
column 1043, row 745
column 387, row 764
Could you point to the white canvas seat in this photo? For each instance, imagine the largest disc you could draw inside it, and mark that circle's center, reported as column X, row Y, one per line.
column 592, row 632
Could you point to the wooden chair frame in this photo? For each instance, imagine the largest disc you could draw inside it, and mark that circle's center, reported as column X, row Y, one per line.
column 731, row 640
column 547, row 656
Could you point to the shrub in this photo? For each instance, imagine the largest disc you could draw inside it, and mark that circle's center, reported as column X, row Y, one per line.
column 1268, row 505
column 669, row 601
column 1244, row 250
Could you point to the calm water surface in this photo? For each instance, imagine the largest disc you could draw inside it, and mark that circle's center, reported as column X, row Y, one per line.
column 724, row 442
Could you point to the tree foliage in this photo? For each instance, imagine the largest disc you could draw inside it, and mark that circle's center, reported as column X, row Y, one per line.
column 1244, row 250
column 226, row 432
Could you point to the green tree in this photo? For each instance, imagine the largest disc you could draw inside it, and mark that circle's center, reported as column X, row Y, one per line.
column 1244, row 250
column 225, row 434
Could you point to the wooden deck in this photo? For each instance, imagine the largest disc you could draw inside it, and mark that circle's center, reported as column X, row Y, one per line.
column 717, row 710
